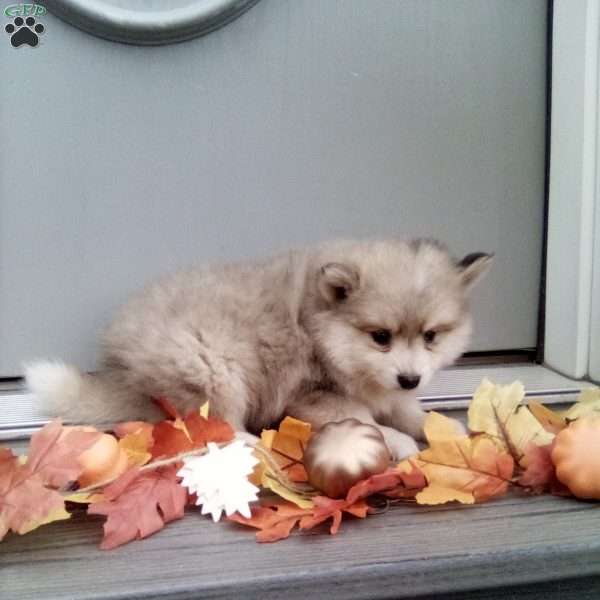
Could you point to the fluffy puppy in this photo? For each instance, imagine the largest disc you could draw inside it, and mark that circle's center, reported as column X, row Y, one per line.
column 344, row 329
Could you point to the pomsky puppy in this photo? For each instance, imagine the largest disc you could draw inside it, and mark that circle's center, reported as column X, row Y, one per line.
column 343, row 329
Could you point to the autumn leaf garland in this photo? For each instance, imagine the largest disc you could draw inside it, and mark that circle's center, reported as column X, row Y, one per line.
column 192, row 459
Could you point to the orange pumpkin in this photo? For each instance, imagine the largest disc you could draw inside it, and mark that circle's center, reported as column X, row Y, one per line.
column 576, row 456
column 102, row 461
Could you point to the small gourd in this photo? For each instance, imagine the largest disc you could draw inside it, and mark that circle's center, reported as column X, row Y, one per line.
column 343, row 453
column 576, row 456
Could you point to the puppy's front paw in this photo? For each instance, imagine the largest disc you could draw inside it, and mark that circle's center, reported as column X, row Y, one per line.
column 400, row 445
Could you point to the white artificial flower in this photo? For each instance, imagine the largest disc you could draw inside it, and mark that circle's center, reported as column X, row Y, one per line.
column 219, row 479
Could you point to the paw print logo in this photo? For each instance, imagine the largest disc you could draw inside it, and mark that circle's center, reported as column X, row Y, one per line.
column 24, row 31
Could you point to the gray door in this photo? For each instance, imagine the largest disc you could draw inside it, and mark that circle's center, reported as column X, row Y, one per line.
column 301, row 120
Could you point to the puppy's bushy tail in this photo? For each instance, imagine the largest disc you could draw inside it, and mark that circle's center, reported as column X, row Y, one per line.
column 64, row 391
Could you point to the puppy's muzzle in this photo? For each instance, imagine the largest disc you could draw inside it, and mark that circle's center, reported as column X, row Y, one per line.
column 408, row 382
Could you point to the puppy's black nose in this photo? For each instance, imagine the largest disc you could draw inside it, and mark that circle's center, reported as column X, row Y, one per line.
column 408, row 382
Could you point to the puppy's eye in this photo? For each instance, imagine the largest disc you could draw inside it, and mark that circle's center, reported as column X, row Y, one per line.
column 382, row 336
column 429, row 336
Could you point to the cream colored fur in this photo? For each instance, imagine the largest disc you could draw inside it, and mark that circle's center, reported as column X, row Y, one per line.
column 288, row 335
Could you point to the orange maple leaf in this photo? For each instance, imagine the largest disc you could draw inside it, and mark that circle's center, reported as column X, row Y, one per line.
column 139, row 504
column 211, row 429
column 328, row 508
column 395, row 481
column 182, row 435
column 170, row 438
column 276, row 518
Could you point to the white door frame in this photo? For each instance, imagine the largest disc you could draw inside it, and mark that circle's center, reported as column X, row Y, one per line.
column 572, row 327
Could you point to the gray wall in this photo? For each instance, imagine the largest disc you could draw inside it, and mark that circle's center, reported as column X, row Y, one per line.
column 300, row 121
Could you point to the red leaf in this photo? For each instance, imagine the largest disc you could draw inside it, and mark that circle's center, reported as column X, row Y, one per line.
column 540, row 472
column 138, row 505
column 203, row 430
column 415, row 479
column 169, row 440
column 167, row 407
column 388, row 480
column 411, row 484
column 173, row 437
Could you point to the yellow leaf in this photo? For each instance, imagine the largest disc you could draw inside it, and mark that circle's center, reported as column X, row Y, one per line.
column 84, row 497
column 290, row 438
column 255, row 478
column 551, row 421
column 79, row 497
column 271, row 483
column 58, row 514
column 136, row 445
column 204, row 409
column 440, row 494
column 438, row 427
column 179, row 423
column 295, row 429
column 459, row 467
column 267, row 437
column 287, row 446
column 497, row 411
column 588, row 403
column 405, row 466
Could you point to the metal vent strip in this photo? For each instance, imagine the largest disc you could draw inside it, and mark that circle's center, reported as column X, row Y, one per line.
column 451, row 389
column 454, row 387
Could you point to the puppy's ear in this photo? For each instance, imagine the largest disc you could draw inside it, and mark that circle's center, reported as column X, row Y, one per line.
column 336, row 281
column 473, row 267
